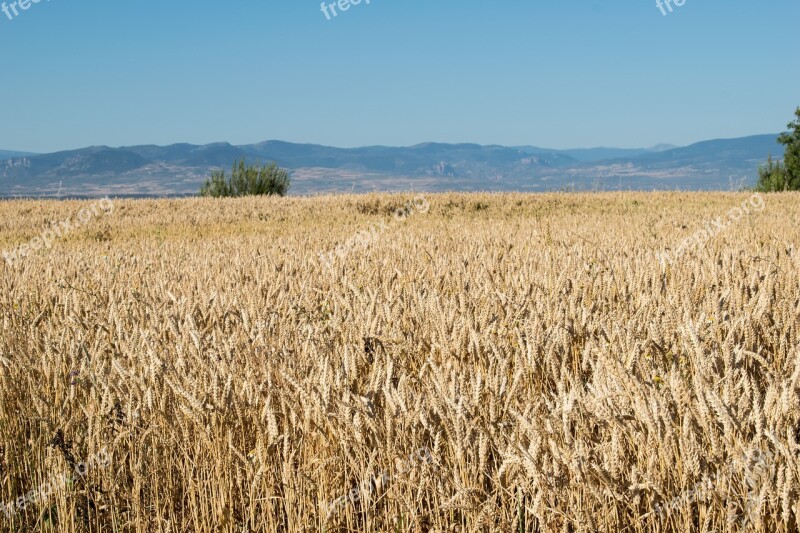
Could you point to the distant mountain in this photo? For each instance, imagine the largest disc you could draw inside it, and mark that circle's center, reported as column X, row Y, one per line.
column 596, row 154
column 180, row 168
column 85, row 162
column 716, row 164
column 188, row 155
column 420, row 159
column 7, row 154
column 748, row 150
column 661, row 147
column 600, row 154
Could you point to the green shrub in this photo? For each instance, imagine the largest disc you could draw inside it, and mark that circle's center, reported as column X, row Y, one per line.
column 785, row 175
column 774, row 177
column 247, row 180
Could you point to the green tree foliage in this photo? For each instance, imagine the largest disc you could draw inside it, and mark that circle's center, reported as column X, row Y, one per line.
column 785, row 175
column 247, row 180
column 791, row 140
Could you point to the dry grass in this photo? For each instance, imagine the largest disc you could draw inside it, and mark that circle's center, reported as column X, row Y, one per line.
column 558, row 377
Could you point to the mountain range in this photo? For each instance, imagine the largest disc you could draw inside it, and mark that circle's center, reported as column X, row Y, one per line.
column 180, row 169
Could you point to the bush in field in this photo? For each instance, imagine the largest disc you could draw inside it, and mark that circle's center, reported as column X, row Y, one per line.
column 247, row 180
column 783, row 175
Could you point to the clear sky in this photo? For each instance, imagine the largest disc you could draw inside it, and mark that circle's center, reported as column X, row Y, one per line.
column 552, row 73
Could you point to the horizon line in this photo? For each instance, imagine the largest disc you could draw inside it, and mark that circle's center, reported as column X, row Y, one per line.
column 25, row 153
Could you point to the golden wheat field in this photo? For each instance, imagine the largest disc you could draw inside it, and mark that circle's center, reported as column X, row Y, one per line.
column 472, row 362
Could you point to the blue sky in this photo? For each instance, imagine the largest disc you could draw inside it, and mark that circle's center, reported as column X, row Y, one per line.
column 552, row 73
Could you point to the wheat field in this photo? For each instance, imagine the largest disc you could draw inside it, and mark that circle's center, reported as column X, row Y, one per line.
column 471, row 362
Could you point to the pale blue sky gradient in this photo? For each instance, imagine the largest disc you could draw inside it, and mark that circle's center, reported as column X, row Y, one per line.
column 553, row 73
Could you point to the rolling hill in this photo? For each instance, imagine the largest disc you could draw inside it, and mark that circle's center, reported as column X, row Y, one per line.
column 179, row 169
